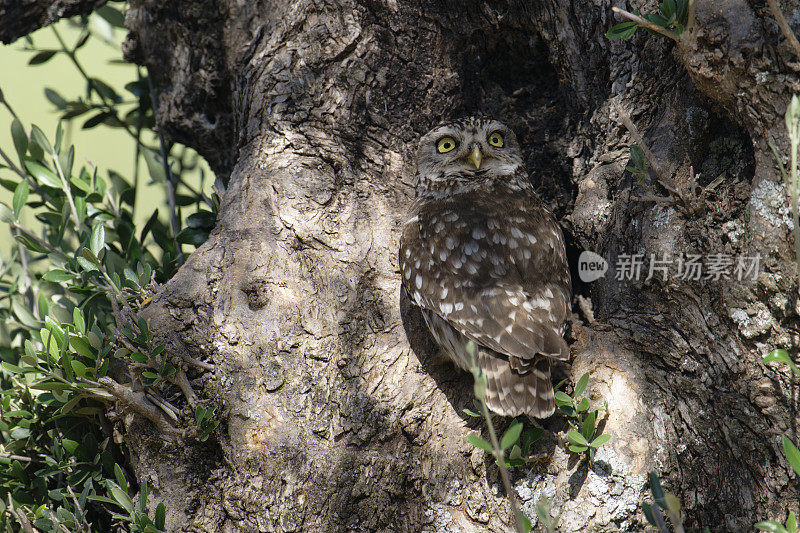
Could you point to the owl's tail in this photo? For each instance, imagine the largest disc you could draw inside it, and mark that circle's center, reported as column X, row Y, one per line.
column 511, row 393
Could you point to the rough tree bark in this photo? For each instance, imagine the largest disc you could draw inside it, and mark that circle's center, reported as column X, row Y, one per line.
column 331, row 419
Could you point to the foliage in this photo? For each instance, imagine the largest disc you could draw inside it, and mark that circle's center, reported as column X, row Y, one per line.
column 582, row 418
column 672, row 17
column 637, row 165
column 662, row 500
column 789, row 450
column 792, row 180
column 497, row 447
column 74, row 352
column 517, row 439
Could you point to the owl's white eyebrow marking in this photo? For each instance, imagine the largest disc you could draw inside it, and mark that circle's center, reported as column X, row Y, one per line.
column 412, row 220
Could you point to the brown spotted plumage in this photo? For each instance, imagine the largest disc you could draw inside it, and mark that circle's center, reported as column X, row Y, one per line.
column 484, row 259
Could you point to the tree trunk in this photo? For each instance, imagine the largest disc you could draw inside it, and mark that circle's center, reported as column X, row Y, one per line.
column 335, row 414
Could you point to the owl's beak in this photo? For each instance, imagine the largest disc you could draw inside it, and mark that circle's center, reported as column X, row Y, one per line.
column 476, row 157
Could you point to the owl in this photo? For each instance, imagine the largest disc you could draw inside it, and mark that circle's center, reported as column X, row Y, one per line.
column 484, row 259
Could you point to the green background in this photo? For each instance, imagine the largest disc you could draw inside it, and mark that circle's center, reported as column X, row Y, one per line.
column 103, row 147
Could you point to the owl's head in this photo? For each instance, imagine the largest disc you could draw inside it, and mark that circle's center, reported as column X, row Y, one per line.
column 471, row 149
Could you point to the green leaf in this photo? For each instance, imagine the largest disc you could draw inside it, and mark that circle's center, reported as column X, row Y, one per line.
column 97, row 119
column 202, row 220
column 668, row 9
column 77, row 320
column 98, row 240
column 20, row 138
column 195, row 237
column 25, row 316
column 511, row 436
column 792, row 455
column 20, row 197
column 66, row 158
column 581, row 385
column 583, row 405
column 120, row 477
column 161, row 516
column 648, row 513
column 563, row 398
column 637, row 157
column 43, row 174
column 89, row 255
column 770, row 525
column 112, row 16
column 139, row 357
column 673, row 505
column 781, row 356
column 480, row 443
column 577, row 448
column 86, row 264
column 599, row 441
column 656, row 490
column 791, row 522
column 55, row 98
column 576, row 438
column 40, row 138
column 81, row 346
column 623, row 30
column 155, row 165
column 526, row 523
column 657, row 19
column 587, row 429
column 42, row 57
column 471, row 413
column 121, row 497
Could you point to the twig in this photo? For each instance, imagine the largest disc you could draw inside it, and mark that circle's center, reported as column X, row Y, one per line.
column 498, row 455
column 690, row 20
column 651, row 160
column 480, row 391
column 197, row 362
column 24, row 458
column 136, row 401
column 784, row 26
column 21, row 517
column 79, row 508
column 182, row 382
column 92, row 84
column 646, row 23
column 165, row 406
column 173, row 216
column 41, row 242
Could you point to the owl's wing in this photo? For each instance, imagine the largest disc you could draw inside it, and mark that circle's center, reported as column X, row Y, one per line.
column 496, row 271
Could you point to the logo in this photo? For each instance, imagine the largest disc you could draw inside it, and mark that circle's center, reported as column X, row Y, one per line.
column 591, row 266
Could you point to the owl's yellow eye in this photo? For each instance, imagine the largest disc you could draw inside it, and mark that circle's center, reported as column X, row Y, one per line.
column 445, row 144
column 496, row 139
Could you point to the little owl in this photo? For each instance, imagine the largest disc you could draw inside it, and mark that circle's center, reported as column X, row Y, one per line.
column 484, row 259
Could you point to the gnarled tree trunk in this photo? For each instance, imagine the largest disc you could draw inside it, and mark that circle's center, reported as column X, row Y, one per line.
column 309, row 112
